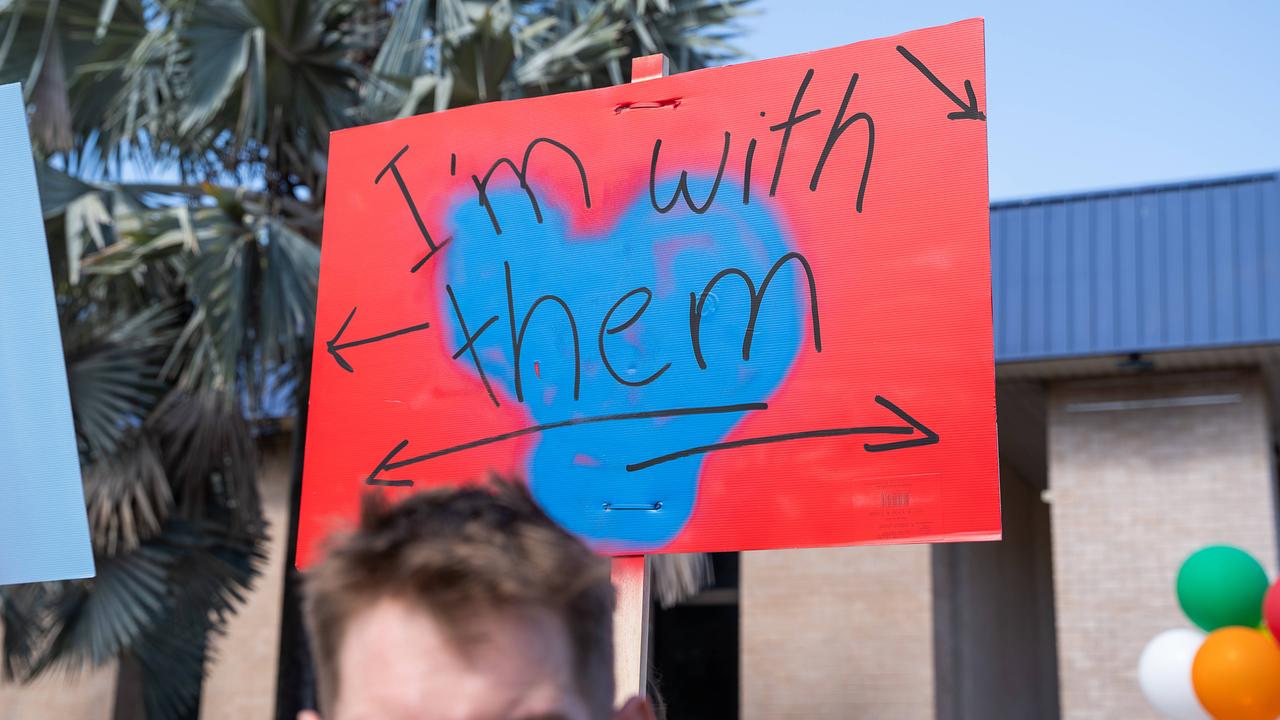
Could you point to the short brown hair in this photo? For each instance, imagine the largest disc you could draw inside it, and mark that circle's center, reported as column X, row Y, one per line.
column 457, row 550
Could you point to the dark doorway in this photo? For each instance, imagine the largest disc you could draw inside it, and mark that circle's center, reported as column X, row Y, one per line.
column 694, row 649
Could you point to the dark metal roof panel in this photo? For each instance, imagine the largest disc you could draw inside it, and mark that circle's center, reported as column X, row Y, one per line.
column 1169, row 267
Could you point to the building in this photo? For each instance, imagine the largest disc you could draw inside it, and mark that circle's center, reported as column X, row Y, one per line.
column 1138, row 375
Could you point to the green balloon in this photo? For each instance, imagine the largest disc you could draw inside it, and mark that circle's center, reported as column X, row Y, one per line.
column 1220, row 586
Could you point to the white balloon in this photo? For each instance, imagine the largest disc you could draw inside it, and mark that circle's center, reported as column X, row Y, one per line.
column 1164, row 672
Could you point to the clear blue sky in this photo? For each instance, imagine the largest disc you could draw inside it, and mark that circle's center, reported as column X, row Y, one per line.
column 1087, row 94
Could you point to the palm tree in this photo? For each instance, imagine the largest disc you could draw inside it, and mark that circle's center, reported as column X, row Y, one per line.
column 180, row 147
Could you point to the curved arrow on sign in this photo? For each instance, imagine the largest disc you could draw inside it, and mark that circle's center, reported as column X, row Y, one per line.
column 922, row 436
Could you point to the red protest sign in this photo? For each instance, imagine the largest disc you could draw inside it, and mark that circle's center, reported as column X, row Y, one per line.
column 739, row 308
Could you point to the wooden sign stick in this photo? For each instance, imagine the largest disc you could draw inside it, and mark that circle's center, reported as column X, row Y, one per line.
column 631, row 626
column 631, row 573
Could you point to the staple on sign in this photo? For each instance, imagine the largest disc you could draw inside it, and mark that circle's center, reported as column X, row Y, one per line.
column 622, row 107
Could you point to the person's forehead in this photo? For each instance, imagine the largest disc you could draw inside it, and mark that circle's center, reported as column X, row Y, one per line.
column 398, row 662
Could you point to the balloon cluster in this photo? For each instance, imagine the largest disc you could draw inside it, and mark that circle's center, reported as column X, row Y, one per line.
column 1233, row 672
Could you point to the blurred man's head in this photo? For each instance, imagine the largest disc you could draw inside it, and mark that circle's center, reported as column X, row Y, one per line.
column 466, row 604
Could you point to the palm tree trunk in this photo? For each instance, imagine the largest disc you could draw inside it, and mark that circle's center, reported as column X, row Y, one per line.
column 128, row 704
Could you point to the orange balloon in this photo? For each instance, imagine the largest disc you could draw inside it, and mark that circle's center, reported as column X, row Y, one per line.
column 1236, row 675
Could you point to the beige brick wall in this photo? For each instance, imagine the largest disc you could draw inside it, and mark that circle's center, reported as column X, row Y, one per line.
column 1137, row 483
column 89, row 694
column 837, row 634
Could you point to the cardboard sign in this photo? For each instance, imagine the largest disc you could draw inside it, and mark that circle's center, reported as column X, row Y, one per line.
column 44, row 532
column 738, row 308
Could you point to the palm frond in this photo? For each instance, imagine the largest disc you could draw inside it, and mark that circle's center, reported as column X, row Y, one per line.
column 153, row 239
column 158, row 604
column 290, row 274
column 222, row 39
column 401, row 58
column 559, row 57
column 25, row 615
column 113, row 368
column 275, row 78
column 210, row 453
column 99, row 618
column 209, row 572
column 219, row 280
column 59, row 189
column 71, row 55
column 127, row 495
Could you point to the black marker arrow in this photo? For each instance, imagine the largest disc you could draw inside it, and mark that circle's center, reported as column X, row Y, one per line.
column 925, row 437
column 393, row 461
column 969, row 110
column 336, row 347
column 388, row 463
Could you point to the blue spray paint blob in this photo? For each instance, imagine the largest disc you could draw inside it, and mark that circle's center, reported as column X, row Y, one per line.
column 577, row 472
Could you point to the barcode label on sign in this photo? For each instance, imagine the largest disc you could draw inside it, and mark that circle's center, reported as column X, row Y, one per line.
column 895, row 499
